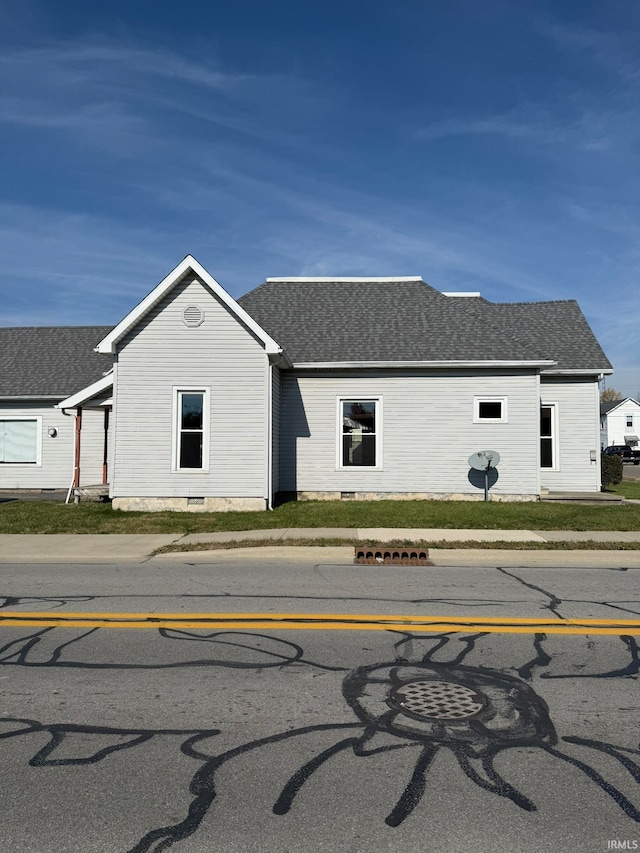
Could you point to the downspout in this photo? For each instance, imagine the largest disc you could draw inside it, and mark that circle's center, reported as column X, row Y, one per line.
column 270, row 436
column 597, row 450
column 105, row 448
column 538, row 441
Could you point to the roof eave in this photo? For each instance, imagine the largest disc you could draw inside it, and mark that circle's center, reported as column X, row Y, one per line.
column 484, row 364
column 618, row 403
column 81, row 397
column 575, row 371
column 4, row 398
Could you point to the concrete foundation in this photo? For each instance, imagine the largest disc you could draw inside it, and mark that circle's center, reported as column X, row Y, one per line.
column 410, row 496
column 190, row 504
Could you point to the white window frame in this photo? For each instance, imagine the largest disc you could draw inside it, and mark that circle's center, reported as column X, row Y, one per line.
column 628, row 419
column 555, row 443
column 178, row 391
column 38, row 420
column 365, row 398
column 503, row 419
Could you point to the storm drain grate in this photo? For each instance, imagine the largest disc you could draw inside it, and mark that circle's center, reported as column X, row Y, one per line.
column 393, row 556
column 440, row 700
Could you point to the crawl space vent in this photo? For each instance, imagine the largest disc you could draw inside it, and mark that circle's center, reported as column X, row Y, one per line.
column 193, row 316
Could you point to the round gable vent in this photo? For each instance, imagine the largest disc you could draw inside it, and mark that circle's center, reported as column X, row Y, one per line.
column 193, row 316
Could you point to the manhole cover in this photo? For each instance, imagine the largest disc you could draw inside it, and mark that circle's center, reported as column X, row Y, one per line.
column 440, row 700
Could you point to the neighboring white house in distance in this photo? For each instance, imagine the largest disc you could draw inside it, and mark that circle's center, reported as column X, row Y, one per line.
column 620, row 423
column 316, row 388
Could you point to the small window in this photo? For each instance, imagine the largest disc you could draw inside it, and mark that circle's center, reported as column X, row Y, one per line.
column 20, row 441
column 191, row 430
column 359, row 433
column 490, row 410
column 629, row 421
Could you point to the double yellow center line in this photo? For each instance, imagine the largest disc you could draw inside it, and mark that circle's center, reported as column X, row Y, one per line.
column 318, row 622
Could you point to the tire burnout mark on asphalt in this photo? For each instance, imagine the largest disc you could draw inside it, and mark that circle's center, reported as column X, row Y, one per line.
column 409, row 702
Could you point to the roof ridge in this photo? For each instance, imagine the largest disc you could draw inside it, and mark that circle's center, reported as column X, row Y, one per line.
column 537, row 302
column 349, row 279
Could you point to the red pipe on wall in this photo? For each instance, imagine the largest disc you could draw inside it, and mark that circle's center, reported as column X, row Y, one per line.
column 76, row 474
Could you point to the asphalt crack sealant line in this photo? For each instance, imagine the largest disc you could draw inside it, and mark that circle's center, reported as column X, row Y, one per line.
column 320, row 622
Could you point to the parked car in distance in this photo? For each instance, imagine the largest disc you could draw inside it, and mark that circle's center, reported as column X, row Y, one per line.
column 626, row 453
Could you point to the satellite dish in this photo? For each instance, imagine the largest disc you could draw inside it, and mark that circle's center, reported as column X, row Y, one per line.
column 484, row 459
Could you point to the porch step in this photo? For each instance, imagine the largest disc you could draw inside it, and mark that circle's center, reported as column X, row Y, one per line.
column 97, row 493
column 582, row 497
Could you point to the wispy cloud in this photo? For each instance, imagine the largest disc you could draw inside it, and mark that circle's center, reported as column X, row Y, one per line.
column 67, row 85
column 614, row 50
column 96, row 60
column 537, row 127
column 143, row 154
column 559, row 128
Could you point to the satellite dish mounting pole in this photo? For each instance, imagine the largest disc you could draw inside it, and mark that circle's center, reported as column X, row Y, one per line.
column 484, row 460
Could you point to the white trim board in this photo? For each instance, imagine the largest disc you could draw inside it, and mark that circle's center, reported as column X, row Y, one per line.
column 87, row 393
column 314, row 365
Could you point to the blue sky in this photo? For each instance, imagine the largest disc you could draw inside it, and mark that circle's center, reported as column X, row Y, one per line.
column 488, row 146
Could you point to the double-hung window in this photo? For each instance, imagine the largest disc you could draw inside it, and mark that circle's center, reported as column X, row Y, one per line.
column 20, row 440
column 359, row 432
column 191, row 429
column 548, row 436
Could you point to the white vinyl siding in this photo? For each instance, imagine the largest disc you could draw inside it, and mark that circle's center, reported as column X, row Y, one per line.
column 161, row 354
column 91, row 447
column 429, row 432
column 576, row 401
column 55, row 469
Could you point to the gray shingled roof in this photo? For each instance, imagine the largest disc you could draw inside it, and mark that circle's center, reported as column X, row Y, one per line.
column 558, row 328
column 605, row 408
column 335, row 321
column 338, row 321
column 50, row 361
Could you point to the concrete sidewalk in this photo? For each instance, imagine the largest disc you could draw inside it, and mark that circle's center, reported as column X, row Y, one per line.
column 110, row 548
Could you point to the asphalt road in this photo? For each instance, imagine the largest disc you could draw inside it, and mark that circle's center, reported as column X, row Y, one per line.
column 408, row 709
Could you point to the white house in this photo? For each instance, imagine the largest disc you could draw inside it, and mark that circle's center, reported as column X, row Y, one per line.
column 339, row 388
column 40, row 367
column 620, row 423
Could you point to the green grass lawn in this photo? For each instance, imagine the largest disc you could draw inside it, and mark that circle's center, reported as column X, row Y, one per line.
column 628, row 489
column 50, row 517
